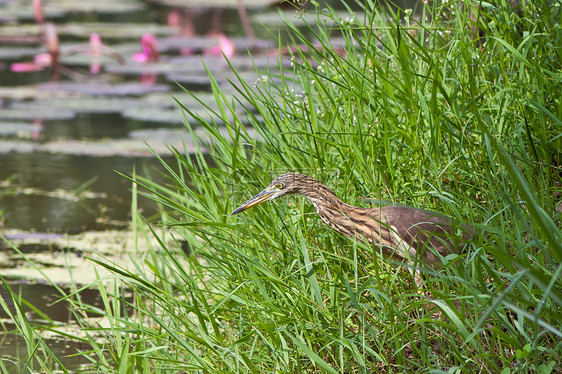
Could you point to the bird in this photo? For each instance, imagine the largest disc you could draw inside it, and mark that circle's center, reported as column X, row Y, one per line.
column 402, row 233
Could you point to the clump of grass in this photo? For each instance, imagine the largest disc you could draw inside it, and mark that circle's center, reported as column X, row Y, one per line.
column 454, row 108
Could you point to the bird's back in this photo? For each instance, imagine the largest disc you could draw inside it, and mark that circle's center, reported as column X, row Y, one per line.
column 418, row 231
column 399, row 231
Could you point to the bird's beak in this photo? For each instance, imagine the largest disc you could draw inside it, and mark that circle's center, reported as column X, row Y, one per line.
column 263, row 196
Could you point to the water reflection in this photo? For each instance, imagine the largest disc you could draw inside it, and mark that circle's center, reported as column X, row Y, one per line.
column 46, row 299
column 86, row 126
column 43, row 192
column 14, row 353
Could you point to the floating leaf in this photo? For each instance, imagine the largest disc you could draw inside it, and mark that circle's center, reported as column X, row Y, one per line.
column 21, row 10
column 117, row 147
column 152, row 114
column 22, row 93
column 21, row 129
column 85, row 29
column 216, row 3
column 8, row 146
column 30, row 111
column 121, row 89
column 91, row 104
column 16, row 53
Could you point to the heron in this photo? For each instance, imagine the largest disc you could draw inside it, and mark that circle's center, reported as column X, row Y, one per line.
column 401, row 232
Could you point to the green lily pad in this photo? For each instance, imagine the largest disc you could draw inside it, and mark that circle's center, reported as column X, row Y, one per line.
column 16, row 53
column 179, row 42
column 21, row 10
column 20, row 146
column 22, row 93
column 79, row 54
column 29, row 111
column 200, row 43
column 117, row 30
column 248, row 4
column 222, row 78
column 169, row 116
column 160, row 140
column 168, row 99
column 98, row 6
column 171, row 136
column 274, row 19
column 161, row 67
column 121, row 89
column 114, row 147
column 152, row 114
column 191, row 69
column 90, row 104
column 220, row 63
column 20, row 129
column 105, row 30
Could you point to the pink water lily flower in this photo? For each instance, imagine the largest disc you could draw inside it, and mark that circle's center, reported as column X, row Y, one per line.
column 149, row 50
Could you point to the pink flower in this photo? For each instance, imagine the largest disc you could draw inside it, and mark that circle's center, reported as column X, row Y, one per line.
column 149, row 50
column 24, row 67
column 95, row 52
column 40, row 61
column 225, row 46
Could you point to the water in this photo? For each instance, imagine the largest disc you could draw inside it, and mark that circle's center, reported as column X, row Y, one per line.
column 58, row 176
column 59, row 161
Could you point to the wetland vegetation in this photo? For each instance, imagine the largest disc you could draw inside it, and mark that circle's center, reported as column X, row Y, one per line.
column 451, row 106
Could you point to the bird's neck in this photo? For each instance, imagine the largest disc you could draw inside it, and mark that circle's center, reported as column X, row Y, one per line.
column 327, row 204
column 323, row 198
column 340, row 216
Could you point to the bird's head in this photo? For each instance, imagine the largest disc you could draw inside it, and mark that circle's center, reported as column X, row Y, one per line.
column 285, row 184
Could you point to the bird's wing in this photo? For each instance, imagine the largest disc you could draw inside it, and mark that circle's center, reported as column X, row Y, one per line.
column 419, row 231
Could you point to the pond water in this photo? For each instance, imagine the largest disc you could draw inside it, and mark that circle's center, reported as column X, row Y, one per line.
column 65, row 135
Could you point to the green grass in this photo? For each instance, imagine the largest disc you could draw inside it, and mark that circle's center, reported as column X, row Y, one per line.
column 423, row 111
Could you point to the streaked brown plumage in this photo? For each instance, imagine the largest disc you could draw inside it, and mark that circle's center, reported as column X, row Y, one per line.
column 400, row 232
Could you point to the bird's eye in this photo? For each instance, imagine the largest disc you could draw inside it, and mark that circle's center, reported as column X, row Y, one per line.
column 280, row 185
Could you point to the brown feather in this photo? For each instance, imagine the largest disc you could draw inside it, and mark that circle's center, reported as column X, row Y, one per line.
column 400, row 232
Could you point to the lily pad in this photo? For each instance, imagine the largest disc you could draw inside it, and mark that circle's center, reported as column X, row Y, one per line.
column 152, row 114
column 105, row 30
column 253, row 4
column 8, row 146
column 171, row 136
column 98, row 6
column 220, row 63
column 79, row 54
column 21, row 10
column 168, row 99
column 186, row 67
column 179, row 42
column 161, row 67
column 200, row 43
column 20, row 129
column 115, row 30
column 29, row 111
column 222, row 78
column 16, row 53
column 91, row 104
column 117, row 147
column 22, row 93
column 121, row 89
column 163, row 134
column 274, row 19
